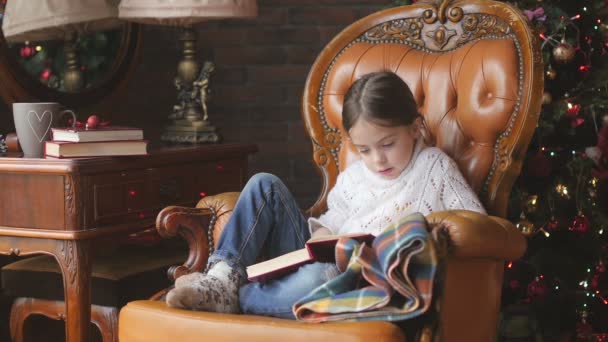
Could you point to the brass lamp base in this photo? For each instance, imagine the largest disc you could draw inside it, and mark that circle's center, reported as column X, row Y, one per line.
column 190, row 132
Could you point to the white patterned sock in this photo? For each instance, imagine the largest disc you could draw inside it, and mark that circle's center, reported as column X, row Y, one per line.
column 215, row 291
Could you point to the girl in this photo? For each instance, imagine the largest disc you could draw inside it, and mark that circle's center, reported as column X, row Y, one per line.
column 396, row 176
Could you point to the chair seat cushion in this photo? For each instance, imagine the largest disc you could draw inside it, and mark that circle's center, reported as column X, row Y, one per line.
column 124, row 275
column 154, row 321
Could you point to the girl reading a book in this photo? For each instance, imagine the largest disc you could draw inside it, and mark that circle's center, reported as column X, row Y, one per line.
column 396, row 175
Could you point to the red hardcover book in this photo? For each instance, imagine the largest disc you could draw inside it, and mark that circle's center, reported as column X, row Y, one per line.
column 321, row 249
column 66, row 149
column 106, row 133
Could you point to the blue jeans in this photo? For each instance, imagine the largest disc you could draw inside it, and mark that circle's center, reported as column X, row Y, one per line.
column 267, row 219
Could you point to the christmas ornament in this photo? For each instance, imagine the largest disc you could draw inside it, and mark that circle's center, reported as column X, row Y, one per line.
column 563, row 52
column 525, row 226
column 580, row 224
column 573, row 109
column 532, row 203
column 27, row 51
column 45, row 75
column 547, row 98
column 537, row 289
column 551, row 74
column 536, row 14
column 572, row 112
column 92, row 121
column 552, row 225
column 562, row 190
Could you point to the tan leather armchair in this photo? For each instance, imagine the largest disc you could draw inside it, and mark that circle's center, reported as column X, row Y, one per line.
column 475, row 69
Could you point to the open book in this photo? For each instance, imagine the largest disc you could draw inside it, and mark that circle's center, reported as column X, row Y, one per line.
column 321, row 249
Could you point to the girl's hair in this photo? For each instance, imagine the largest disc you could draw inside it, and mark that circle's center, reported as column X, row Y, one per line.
column 379, row 97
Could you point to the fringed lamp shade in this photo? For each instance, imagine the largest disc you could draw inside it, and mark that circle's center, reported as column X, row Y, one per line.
column 185, row 12
column 38, row 20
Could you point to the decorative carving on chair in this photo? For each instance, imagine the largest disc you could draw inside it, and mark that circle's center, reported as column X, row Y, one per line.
column 477, row 25
column 333, row 139
column 441, row 35
column 194, row 229
column 321, row 155
column 406, row 30
column 410, row 30
column 502, row 153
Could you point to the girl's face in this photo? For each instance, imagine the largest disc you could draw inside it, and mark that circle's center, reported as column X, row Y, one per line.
column 386, row 151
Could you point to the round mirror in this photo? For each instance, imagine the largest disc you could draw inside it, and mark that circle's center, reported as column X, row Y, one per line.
column 36, row 71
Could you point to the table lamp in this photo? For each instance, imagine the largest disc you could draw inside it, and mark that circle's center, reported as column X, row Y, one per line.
column 40, row 20
column 190, row 122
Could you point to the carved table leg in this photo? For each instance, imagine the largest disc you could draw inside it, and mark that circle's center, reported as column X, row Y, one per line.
column 74, row 260
column 19, row 313
column 106, row 319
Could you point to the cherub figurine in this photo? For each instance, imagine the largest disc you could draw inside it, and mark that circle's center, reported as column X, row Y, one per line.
column 191, row 95
column 201, row 87
column 182, row 98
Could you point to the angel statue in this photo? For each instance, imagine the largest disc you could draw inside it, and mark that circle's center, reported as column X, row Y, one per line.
column 201, row 87
column 182, row 98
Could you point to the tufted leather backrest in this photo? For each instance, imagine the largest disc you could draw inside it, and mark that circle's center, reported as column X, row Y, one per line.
column 474, row 68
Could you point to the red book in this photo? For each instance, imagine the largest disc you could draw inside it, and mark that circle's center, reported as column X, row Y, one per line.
column 105, row 133
column 321, row 249
column 66, row 149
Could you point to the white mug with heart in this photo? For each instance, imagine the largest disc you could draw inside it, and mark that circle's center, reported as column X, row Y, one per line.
column 33, row 122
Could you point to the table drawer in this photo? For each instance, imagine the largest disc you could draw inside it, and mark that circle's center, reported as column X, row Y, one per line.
column 140, row 194
column 34, row 201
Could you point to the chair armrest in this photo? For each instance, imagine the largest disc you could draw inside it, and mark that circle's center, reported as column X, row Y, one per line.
column 223, row 204
column 475, row 235
column 193, row 224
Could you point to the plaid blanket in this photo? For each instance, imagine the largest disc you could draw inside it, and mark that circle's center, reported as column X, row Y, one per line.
column 391, row 280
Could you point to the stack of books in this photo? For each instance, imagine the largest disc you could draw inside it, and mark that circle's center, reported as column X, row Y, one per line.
column 103, row 141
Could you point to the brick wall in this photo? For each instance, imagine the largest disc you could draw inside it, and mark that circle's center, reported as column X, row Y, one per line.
column 261, row 67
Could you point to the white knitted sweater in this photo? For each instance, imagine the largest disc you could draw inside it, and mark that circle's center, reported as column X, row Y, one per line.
column 362, row 201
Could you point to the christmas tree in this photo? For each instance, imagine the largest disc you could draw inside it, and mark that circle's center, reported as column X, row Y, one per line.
column 559, row 290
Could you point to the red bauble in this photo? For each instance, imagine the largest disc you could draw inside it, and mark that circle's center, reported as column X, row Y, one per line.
column 537, row 289
column 539, row 165
column 92, row 121
column 552, row 225
column 27, row 51
column 580, row 224
column 45, row 75
column 573, row 110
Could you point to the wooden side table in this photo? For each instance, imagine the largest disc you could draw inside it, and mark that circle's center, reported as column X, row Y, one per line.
column 62, row 207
